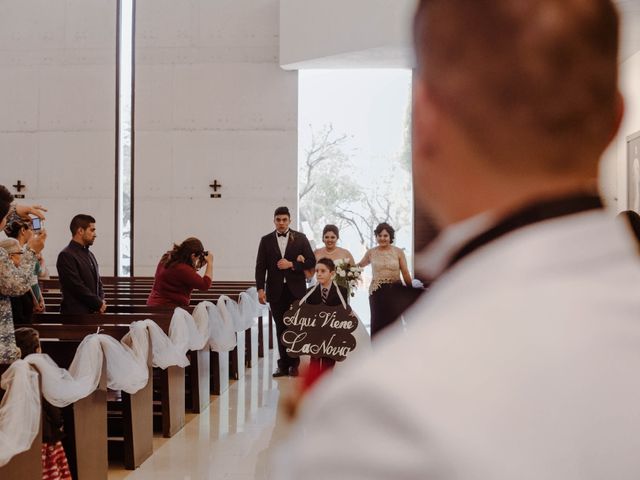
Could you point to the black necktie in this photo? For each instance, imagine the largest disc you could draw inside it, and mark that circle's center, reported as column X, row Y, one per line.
column 325, row 295
column 94, row 267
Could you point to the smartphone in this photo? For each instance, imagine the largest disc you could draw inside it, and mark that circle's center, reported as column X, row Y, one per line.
column 37, row 224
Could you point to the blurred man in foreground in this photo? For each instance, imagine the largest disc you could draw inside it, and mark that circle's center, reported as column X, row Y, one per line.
column 522, row 361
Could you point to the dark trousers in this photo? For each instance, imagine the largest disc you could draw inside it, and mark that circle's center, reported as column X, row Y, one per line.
column 383, row 308
column 278, row 309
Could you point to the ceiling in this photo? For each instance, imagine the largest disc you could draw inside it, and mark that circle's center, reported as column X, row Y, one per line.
column 398, row 52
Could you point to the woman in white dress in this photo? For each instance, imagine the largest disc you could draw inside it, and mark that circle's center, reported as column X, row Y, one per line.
column 331, row 250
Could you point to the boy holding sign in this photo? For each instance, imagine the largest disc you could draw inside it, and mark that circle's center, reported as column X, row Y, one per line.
column 326, row 292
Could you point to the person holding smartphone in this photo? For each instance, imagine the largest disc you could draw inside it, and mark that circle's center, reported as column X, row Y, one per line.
column 14, row 280
column 177, row 274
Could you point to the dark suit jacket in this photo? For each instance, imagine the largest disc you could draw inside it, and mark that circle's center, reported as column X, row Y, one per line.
column 79, row 280
column 332, row 299
column 267, row 272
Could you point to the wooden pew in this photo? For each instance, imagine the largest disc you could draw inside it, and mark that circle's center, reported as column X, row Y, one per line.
column 197, row 373
column 26, row 465
column 236, row 365
column 86, row 419
column 136, row 435
column 118, row 290
column 171, row 381
column 129, row 294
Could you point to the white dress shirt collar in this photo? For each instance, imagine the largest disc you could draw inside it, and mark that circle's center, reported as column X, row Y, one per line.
column 433, row 260
column 282, row 242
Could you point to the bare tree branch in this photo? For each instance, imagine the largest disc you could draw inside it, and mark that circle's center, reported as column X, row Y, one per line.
column 354, row 224
column 322, row 149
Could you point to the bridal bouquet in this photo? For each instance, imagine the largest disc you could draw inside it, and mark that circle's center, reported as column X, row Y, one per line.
column 347, row 275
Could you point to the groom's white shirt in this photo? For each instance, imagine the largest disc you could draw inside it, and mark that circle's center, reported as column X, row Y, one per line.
column 522, row 362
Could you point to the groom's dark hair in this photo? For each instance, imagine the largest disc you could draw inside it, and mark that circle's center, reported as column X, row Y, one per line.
column 282, row 211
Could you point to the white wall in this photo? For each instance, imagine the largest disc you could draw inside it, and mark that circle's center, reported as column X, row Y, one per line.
column 613, row 176
column 211, row 103
column 57, row 114
column 346, row 33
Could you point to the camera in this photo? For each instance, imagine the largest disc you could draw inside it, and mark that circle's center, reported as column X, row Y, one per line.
column 36, row 224
column 202, row 257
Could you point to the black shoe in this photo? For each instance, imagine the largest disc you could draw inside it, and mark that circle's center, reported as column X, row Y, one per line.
column 280, row 373
column 293, row 371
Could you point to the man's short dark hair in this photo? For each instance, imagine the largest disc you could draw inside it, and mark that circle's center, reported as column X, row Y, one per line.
column 282, row 211
column 518, row 77
column 5, row 201
column 80, row 221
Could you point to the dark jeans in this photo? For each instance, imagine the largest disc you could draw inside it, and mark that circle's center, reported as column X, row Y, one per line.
column 278, row 309
column 383, row 309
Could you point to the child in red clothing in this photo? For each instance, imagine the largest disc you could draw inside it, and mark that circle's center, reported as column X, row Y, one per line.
column 54, row 461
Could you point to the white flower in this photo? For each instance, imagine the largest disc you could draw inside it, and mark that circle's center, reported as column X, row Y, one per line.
column 341, row 273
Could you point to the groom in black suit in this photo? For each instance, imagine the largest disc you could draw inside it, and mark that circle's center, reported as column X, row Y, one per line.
column 285, row 280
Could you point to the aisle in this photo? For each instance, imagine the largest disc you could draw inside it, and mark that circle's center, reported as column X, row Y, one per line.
column 230, row 440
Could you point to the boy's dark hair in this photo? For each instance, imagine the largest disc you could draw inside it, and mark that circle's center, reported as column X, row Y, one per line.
column 28, row 340
column 5, row 201
column 328, row 263
column 282, row 211
column 385, row 227
column 80, row 221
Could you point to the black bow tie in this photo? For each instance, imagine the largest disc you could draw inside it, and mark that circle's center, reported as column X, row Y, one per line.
column 283, row 234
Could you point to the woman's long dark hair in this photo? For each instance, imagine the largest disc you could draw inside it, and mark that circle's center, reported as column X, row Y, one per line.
column 182, row 253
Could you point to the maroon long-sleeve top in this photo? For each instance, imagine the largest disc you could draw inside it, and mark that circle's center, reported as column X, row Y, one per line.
column 173, row 285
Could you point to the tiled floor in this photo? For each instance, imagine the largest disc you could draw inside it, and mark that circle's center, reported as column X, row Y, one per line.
column 230, row 440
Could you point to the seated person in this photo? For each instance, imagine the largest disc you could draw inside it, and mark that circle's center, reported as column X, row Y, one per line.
column 54, row 459
column 22, row 306
column 177, row 274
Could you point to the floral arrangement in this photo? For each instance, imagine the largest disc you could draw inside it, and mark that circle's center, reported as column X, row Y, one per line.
column 347, row 275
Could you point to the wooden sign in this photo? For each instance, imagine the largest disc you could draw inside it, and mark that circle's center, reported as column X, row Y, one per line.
column 319, row 331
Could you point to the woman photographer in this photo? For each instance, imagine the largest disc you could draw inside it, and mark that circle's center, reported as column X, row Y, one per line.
column 177, row 274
